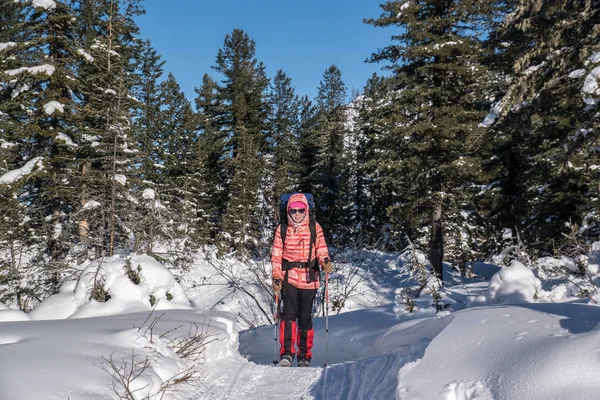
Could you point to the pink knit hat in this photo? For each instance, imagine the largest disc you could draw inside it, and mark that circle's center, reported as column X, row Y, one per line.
column 297, row 204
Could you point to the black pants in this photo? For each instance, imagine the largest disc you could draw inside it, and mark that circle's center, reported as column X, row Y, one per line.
column 297, row 305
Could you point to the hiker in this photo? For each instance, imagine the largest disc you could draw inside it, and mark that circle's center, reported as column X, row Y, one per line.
column 296, row 275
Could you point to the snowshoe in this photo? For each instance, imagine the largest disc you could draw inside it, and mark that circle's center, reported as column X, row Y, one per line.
column 303, row 362
column 285, row 361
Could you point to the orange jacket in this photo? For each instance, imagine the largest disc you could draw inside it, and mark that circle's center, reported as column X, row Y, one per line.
column 297, row 245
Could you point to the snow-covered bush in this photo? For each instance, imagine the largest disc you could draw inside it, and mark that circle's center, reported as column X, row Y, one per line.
column 115, row 285
column 418, row 278
column 160, row 363
column 513, row 285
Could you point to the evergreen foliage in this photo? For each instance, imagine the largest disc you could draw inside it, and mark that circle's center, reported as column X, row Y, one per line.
column 546, row 138
column 439, row 78
column 242, row 93
column 210, row 159
column 284, row 141
column 100, row 153
column 330, row 174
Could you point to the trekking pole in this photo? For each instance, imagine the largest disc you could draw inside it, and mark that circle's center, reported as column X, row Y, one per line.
column 276, row 313
column 326, row 317
column 324, row 395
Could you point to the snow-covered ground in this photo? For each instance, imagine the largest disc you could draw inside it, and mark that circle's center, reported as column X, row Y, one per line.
column 506, row 334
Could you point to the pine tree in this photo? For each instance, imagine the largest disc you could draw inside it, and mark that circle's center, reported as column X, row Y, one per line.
column 438, row 72
column 147, row 123
column 242, row 92
column 211, row 179
column 371, row 199
column 39, row 129
column 284, row 140
column 108, row 181
column 308, row 148
column 330, row 162
column 13, row 215
column 175, row 147
column 547, row 126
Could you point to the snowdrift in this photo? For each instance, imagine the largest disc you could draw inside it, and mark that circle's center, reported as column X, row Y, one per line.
column 115, row 285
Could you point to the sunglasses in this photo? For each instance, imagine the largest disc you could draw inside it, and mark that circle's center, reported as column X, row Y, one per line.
column 297, row 211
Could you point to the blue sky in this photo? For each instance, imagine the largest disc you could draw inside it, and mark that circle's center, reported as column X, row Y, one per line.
column 303, row 38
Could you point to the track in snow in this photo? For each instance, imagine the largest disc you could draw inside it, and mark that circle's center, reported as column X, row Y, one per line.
column 367, row 348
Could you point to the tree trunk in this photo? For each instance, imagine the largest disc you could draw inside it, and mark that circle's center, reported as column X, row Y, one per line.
column 83, row 224
column 436, row 244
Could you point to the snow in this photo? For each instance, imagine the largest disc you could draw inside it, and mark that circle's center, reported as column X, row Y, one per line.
column 110, row 91
column 534, row 68
column 122, row 179
column 90, row 138
column 15, row 175
column 6, row 145
column 8, row 314
column 513, row 284
column 7, row 45
column 67, row 139
column 114, row 277
column 578, row 73
column 516, row 344
column 57, row 231
column 39, row 69
column 590, row 85
column 52, row 106
column 148, row 194
column 403, row 7
column 69, row 354
column 85, row 55
column 595, row 58
column 91, row 204
column 438, row 46
column 45, row 4
column 530, row 352
column 22, row 87
column 492, row 116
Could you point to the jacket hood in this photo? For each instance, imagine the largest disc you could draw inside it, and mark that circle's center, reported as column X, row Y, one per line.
column 301, row 198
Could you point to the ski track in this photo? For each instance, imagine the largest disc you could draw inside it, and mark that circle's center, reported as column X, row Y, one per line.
column 373, row 378
column 370, row 378
column 234, row 380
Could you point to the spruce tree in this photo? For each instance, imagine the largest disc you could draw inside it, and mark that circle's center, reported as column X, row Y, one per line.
column 210, row 156
column 14, row 237
column 108, row 179
column 330, row 172
column 308, row 148
column 371, row 199
column 175, row 147
column 438, row 71
column 242, row 91
column 547, row 127
column 147, row 122
column 284, row 140
column 40, row 108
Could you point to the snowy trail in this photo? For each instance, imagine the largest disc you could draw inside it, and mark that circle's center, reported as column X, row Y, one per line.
column 372, row 378
column 367, row 348
column 250, row 381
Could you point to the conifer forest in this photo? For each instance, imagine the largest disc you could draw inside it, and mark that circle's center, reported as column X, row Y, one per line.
column 481, row 135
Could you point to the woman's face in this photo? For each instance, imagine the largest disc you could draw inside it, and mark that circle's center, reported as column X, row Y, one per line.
column 297, row 214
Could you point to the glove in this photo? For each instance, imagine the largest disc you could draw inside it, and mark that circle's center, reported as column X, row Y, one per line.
column 327, row 265
column 277, row 285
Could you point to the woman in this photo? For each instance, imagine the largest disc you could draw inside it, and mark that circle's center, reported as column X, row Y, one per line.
column 292, row 264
